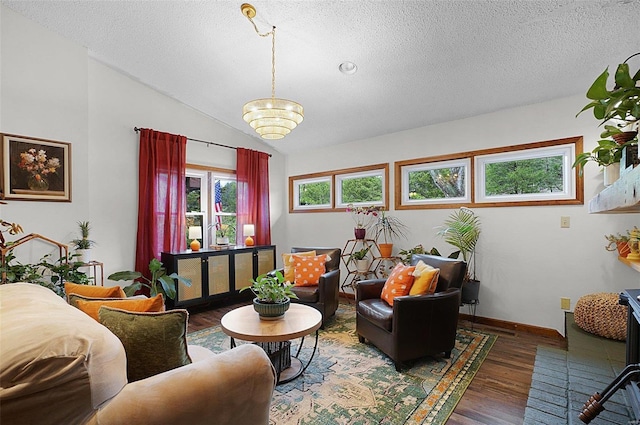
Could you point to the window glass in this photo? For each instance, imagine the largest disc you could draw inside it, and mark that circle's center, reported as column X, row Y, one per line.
column 360, row 189
column 313, row 193
column 441, row 182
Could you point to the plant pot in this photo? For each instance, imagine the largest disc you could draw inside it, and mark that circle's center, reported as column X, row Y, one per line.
column 611, row 174
column 84, row 255
column 360, row 232
column 470, row 291
column 362, row 266
column 623, row 249
column 222, row 240
column 385, row 249
column 622, row 138
column 271, row 311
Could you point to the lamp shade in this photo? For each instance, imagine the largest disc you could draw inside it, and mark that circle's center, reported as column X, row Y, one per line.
column 249, row 230
column 195, row 232
column 273, row 118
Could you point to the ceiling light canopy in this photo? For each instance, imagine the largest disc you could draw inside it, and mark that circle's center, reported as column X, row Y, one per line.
column 272, row 118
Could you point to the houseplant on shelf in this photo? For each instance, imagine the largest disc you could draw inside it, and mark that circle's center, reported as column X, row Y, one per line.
column 273, row 295
column 160, row 282
column 607, row 154
column 406, row 254
column 390, row 228
column 619, row 243
column 462, row 230
column 362, row 216
column 84, row 244
column 360, row 259
column 223, row 231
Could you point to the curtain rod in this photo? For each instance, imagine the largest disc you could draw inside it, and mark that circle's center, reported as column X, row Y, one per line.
column 136, row 129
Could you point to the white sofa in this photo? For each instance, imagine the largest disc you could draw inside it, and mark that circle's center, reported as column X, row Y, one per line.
column 59, row 366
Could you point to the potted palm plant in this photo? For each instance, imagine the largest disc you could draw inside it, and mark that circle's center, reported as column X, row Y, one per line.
column 83, row 244
column 389, row 228
column 462, row 230
column 273, row 295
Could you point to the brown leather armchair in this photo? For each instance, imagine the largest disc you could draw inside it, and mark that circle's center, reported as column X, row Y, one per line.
column 416, row 325
column 324, row 296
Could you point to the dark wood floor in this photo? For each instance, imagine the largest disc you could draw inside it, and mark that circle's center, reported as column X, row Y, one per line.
column 498, row 393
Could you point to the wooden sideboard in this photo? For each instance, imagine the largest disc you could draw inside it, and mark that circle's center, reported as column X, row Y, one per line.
column 218, row 274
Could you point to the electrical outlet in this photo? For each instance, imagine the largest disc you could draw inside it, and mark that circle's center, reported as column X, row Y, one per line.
column 565, row 222
column 565, row 303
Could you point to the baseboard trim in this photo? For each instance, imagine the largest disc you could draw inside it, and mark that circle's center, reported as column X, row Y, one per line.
column 514, row 326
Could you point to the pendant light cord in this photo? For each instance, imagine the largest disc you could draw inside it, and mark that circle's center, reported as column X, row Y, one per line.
column 271, row 33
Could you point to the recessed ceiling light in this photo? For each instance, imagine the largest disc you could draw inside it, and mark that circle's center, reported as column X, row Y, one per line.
column 348, row 68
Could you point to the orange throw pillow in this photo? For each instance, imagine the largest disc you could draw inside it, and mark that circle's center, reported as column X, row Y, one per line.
column 287, row 260
column 426, row 279
column 398, row 283
column 93, row 291
column 307, row 270
column 154, row 304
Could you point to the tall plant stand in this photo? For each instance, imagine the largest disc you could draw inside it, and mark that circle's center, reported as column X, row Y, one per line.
column 353, row 275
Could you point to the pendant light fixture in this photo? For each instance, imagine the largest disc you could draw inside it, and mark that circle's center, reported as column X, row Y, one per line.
column 272, row 118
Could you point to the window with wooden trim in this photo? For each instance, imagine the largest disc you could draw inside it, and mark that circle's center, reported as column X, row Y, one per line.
column 334, row 190
column 531, row 174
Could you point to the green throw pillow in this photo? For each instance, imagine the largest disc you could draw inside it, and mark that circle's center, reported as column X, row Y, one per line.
column 153, row 342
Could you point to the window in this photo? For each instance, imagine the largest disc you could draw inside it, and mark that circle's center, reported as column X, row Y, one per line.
column 531, row 174
column 211, row 202
column 527, row 175
column 334, row 190
column 441, row 182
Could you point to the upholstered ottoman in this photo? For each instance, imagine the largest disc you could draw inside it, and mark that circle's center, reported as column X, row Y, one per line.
column 600, row 314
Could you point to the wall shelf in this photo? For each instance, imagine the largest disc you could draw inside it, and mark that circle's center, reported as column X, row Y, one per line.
column 621, row 197
column 633, row 264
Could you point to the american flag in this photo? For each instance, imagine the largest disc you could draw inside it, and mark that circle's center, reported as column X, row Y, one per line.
column 218, row 195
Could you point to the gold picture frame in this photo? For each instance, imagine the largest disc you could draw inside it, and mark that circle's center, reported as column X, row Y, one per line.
column 35, row 169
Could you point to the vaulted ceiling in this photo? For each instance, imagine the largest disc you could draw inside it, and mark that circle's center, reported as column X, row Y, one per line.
column 419, row 62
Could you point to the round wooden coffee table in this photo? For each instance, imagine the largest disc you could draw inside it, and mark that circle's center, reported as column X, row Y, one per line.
column 299, row 321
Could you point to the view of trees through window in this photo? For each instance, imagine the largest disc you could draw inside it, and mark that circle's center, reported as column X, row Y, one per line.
column 361, row 190
column 211, row 204
column 437, row 183
column 528, row 176
column 315, row 193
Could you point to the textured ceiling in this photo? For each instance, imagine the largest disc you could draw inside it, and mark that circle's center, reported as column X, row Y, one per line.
column 419, row 62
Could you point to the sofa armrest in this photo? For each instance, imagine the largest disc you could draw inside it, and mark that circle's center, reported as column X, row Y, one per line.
column 367, row 289
column 233, row 387
column 427, row 314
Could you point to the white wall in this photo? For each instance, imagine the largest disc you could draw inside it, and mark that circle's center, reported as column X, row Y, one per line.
column 525, row 261
column 51, row 88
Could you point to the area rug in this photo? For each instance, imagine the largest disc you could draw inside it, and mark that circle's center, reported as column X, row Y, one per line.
column 352, row 383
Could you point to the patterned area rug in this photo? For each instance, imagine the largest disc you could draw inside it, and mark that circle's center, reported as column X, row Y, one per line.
column 352, row 383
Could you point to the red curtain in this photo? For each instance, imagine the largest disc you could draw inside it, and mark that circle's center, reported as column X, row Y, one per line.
column 252, row 170
column 161, row 196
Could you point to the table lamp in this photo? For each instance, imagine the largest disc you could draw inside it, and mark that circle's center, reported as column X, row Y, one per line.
column 249, row 230
column 195, row 233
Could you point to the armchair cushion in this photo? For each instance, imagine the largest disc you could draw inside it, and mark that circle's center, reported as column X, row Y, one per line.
column 398, row 283
column 377, row 312
column 426, row 279
column 154, row 342
column 287, row 261
column 307, row 270
column 307, row 294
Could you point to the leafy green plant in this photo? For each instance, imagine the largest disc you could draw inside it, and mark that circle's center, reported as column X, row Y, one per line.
column 622, row 103
column 606, row 153
column 83, row 242
column 271, row 288
column 389, row 227
column 160, row 282
column 406, row 254
column 359, row 255
column 462, row 230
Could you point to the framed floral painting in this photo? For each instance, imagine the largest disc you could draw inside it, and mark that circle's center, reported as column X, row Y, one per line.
column 35, row 169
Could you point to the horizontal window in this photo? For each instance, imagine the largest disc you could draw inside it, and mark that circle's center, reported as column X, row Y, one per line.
column 436, row 182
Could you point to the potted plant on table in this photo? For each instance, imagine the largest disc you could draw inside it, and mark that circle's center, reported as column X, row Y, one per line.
column 273, row 295
column 619, row 243
column 223, row 231
column 83, row 244
column 462, row 230
column 363, row 217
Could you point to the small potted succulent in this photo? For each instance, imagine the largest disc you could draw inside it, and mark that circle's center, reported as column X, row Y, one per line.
column 619, row 243
column 273, row 295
